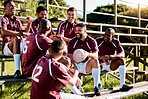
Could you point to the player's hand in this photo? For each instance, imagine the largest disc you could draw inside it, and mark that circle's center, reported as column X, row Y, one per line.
column 78, row 83
column 29, row 19
column 104, row 58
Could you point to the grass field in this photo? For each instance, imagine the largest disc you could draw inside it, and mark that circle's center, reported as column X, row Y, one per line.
column 9, row 88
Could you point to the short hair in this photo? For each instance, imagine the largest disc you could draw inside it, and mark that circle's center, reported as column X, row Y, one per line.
column 56, row 46
column 6, row 2
column 72, row 9
column 81, row 25
column 44, row 23
column 41, row 8
column 110, row 30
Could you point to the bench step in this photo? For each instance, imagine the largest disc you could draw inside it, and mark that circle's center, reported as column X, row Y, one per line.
column 142, row 72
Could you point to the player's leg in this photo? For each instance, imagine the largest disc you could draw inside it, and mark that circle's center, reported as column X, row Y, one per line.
column 118, row 63
column 93, row 67
column 14, row 46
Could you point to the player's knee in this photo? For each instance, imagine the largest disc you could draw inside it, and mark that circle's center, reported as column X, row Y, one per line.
column 115, row 63
column 94, row 62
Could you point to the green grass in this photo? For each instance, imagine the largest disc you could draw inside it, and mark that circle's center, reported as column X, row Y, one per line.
column 112, row 82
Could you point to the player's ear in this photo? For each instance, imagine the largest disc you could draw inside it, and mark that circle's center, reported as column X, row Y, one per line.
column 61, row 52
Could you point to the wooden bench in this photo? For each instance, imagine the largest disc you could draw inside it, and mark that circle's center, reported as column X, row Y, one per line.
column 12, row 80
column 3, row 59
column 137, row 88
column 143, row 73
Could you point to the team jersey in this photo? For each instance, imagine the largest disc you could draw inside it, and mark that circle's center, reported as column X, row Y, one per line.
column 88, row 45
column 47, row 79
column 36, row 46
column 67, row 29
column 110, row 48
column 11, row 24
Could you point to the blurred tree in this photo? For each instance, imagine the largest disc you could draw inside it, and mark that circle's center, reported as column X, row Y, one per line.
column 121, row 10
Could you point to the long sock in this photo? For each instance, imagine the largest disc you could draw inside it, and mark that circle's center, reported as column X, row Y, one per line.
column 96, row 76
column 17, row 61
column 74, row 89
column 122, row 72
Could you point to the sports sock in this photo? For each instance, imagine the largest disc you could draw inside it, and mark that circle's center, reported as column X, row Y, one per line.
column 74, row 89
column 96, row 76
column 122, row 72
column 17, row 61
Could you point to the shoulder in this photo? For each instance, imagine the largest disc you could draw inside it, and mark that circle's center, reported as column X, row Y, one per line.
column 63, row 23
column 42, row 37
column 90, row 39
column 4, row 18
column 116, row 41
column 35, row 21
column 99, row 38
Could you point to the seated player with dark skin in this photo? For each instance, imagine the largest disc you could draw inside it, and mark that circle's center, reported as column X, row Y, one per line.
column 111, row 56
column 36, row 46
column 12, row 32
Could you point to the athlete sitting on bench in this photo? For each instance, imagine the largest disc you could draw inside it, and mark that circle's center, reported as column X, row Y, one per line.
column 111, row 56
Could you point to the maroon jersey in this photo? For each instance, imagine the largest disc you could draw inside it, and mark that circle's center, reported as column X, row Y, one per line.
column 67, row 29
column 10, row 24
column 45, row 86
column 35, row 47
column 35, row 26
column 88, row 45
column 110, row 48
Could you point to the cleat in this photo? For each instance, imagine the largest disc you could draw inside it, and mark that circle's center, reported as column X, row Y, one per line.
column 126, row 88
column 17, row 74
column 96, row 91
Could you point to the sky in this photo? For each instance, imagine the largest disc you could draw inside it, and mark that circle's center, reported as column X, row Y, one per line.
column 92, row 4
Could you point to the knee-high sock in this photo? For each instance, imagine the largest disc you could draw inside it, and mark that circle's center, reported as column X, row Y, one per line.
column 17, row 61
column 96, row 76
column 122, row 72
column 74, row 89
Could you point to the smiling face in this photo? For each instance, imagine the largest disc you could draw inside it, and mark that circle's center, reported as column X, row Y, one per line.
column 71, row 16
column 80, row 32
column 108, row 36
column 10, row 8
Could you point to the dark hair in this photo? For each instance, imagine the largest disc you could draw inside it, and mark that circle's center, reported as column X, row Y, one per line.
column 72, row 9
column 6, row 2
column 81, row 25
column 110, row 30
column 41, row 8
column 56, row 46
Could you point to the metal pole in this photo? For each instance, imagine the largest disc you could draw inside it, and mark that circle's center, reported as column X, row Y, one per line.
column 139, row 15
column 47, row 6
column 84, row 11
column 115, row 12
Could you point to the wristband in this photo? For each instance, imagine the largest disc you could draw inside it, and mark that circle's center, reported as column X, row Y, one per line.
column 21, row 32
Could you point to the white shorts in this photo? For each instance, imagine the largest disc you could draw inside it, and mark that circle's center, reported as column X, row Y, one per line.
column 7, row 51
column 105, row 67
column 82, row 66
